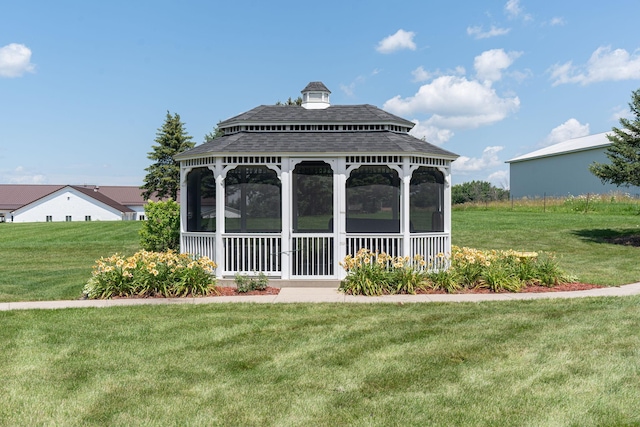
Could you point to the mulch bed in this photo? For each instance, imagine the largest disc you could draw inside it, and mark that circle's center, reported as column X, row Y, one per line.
column 227, row 291
column 566, row 287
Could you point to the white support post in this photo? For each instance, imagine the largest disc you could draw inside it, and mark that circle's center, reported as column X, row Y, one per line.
column 285, row 248
column 405, row 207
column 220, row 216
column 447, row 204
column 340, row 215
column 183, row 203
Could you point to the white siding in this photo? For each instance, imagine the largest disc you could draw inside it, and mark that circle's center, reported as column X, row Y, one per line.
column 63, row 203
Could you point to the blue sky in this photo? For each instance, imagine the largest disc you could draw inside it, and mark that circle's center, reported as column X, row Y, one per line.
column 84, row 86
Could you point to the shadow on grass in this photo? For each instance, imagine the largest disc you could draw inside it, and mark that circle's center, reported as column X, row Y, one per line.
column 626, row 237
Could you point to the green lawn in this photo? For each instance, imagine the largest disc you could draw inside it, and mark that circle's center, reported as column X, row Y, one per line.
column 536, row 363
column 52, row 261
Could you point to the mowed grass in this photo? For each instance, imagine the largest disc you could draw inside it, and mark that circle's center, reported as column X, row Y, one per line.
column 536, row 363
column 52, row 261
column 580, row 241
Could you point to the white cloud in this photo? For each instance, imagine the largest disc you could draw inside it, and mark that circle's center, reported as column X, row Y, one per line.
column 500, row 179
column 489, row 159
column 455, row 102
column 479, row 33
column 430, row 133
column 557, row 20
column 570, row 129
column 400, row 40
column 603, row 65
column 15, row 60
column 421, row 75
column 513, row 10
column 22, row 176
column 620, row 112
column 490, row 64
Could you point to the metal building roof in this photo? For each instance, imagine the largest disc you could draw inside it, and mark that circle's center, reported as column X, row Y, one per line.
column 572, row 145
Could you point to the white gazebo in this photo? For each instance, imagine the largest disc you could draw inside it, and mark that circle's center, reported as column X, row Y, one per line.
column 289, row 191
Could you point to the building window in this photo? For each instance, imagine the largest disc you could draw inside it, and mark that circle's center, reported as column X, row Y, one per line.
column 87, row 217
column 141, row 217
column 49, row 218
column 67, row 218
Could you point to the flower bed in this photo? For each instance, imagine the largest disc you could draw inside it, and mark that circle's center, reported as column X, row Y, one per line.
column 465, row 269
column 151, row 274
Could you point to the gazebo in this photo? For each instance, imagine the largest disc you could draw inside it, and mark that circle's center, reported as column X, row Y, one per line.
column 289, row 191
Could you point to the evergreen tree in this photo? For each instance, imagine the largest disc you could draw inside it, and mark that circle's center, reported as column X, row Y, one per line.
column 216, row 132
column 163, row 177
column 624, row 152
column 290, row 102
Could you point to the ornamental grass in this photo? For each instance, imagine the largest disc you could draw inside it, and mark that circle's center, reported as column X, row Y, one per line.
column 151, row 274
column 373, row 273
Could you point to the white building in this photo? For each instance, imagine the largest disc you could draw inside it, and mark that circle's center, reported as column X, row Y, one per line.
column 562, row 169
column 53, row 203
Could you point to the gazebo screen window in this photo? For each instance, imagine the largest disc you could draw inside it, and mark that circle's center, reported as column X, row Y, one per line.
column 253, row 200
column 312, row 197
column 426, row 196
column 373, row 200
column 201, row 200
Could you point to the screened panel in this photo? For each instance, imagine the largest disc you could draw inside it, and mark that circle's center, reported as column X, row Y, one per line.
column 253, row 200
column 373, row 200
column 426, row 198
column 201, row 200
column 312, row 197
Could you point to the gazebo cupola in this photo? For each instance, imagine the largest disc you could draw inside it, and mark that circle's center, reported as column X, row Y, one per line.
column 315, row 96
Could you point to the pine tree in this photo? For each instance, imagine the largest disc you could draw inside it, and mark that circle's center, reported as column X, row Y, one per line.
column 624, row 152
column 163, row 177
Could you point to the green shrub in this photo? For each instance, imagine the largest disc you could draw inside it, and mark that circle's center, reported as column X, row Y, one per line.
column 149, row 274
column 370, row 273
column 246, row 283
column 161, row 230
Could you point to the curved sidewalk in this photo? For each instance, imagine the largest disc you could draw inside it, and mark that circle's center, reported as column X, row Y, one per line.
column 326, row 295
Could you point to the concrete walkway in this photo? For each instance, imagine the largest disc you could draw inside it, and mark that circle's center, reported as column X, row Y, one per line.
column 326, row 295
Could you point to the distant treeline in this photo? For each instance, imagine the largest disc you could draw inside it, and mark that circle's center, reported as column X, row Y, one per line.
column 477, row 191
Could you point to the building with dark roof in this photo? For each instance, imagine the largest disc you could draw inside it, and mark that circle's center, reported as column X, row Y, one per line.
column 52, row 203
column 304, row 186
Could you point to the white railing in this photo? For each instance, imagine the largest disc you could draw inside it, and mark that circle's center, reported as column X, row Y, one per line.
column 312, row 255
column 203, row 244
column 433, row 247
column 389, row 244
column 252, row 254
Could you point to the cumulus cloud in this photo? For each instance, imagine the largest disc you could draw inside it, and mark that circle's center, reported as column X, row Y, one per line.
column 479, row 33
column 490, row 64
column 427, row 131
column 455, row 102
column 489, row 159
column 421, row 75
column 556, row 20
column 603, row 65
column 15, row 60
column 400, row 40
column 570, row 129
